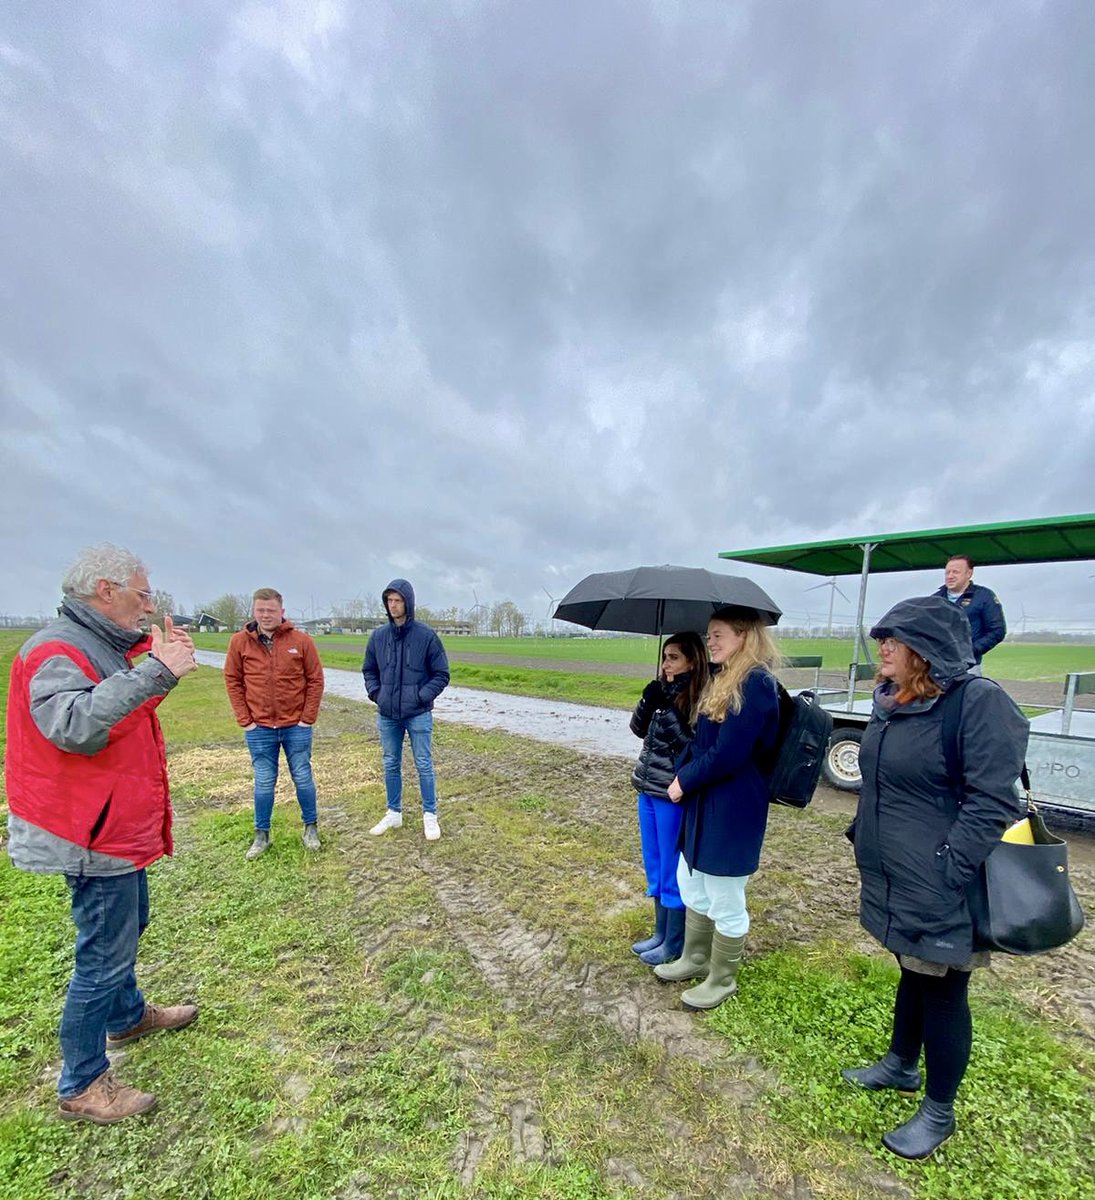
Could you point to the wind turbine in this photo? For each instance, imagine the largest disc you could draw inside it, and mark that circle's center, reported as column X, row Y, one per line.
column 831, row 584
column 552, row 605
column 475, row 608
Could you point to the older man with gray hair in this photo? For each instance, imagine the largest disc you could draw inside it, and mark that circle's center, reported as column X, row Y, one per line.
column 88, row 798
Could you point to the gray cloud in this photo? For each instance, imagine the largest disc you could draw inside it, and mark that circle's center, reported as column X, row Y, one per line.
column 496, row 295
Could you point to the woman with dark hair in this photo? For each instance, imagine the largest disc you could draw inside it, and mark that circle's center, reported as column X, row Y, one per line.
column 663, row 719
column 920, row 837
column 723, row 785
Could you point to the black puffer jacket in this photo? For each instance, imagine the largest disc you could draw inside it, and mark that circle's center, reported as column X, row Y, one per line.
column 665, row 733
column 920, row 836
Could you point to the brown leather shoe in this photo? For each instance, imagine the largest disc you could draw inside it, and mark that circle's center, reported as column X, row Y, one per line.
column 107, row 1100
column 155, row 1017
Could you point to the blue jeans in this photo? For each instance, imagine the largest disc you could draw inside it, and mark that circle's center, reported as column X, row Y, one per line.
column 420, row 729
column 265, row 744
column 110, row 913
column 659, row 827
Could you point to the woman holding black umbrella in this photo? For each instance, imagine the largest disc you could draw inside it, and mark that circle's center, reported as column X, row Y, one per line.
column 725, row 798
column 663, row 719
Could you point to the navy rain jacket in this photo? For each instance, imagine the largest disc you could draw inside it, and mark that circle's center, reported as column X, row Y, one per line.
column 405, row 666
column 920, row 837
column 725, row 790
column 985, row 614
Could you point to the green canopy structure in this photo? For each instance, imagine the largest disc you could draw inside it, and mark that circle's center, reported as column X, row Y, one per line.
column 1044, row 539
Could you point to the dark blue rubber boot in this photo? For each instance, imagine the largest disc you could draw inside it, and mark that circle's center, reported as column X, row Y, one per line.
column 671, row 948
column 657, row 937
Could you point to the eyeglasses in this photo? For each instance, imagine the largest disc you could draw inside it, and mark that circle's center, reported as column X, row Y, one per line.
column 147, row 597
column 888, row 643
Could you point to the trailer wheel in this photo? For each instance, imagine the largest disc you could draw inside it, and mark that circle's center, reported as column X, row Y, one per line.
column 841, row 765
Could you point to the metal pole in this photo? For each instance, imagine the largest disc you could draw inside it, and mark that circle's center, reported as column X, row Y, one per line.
column 1070, row 700
column 866, row 547
column 661, row 634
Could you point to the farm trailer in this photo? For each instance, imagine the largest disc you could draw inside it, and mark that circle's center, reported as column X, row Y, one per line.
column 1061, row 751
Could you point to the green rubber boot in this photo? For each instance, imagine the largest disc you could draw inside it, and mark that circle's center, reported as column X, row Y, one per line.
column 722, row 975
column 692, row 964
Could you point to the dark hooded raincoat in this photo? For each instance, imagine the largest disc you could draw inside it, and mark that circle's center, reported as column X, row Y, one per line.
column 920, row 837
column 405, row 667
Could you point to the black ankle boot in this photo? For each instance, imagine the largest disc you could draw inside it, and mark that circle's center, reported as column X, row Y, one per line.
column 888, row 1072
column 924, row 1133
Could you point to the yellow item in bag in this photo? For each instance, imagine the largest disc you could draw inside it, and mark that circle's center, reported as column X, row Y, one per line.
column 1020, row 832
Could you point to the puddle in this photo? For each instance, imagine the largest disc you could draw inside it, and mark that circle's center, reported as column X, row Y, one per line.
column 577, row 726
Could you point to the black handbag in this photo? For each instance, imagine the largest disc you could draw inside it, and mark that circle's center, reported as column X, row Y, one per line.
column 1021, row 900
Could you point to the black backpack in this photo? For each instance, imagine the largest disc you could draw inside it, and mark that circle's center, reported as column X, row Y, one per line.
column 794, row 765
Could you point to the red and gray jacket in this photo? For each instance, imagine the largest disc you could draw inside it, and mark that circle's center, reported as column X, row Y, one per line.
column 85, row 767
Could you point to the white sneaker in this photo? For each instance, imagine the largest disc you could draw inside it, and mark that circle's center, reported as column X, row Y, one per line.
column 430, row 827
column 390, row 820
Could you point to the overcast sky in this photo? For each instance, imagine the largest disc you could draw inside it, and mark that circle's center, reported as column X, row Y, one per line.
column 492, row 295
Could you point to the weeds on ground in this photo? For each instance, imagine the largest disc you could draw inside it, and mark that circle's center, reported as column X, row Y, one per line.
column 1026, row 1112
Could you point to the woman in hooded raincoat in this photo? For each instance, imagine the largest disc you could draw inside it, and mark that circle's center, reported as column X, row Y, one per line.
column 920, row 837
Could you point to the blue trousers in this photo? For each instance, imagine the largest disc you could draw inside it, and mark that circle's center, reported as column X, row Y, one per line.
column 265, row 744
column 659, row 828
column 110, row 913
column 420, row 730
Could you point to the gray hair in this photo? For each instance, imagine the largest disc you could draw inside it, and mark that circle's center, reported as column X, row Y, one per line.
column 104, row 561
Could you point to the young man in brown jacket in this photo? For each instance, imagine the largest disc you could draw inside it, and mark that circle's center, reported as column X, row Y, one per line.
column 275, row 683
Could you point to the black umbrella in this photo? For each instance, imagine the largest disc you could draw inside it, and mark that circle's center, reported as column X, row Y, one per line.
column 661, row 600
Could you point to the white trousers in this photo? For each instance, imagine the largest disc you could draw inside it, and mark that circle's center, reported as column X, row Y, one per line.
column 720, row 897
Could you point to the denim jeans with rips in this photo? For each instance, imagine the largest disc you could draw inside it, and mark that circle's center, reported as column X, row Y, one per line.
column 110, row 913
column 265, row 744
column 420, row 730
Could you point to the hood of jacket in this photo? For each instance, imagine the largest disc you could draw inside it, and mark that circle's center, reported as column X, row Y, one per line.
column 286, row 626
column 406, row 591
column 936, row 629
column 126, row 641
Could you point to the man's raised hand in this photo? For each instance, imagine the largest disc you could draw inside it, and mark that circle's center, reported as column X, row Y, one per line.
column 176, row 654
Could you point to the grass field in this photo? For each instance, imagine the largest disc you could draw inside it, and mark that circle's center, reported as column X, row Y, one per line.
column 609, row 690
column 1025, row 660
column 391, row 1018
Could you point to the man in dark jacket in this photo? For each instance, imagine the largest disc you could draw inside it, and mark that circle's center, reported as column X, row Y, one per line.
column 980, row 605
column 405, row 670
column 86, row 778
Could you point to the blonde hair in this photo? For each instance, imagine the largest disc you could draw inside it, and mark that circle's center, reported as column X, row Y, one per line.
column 723, row 691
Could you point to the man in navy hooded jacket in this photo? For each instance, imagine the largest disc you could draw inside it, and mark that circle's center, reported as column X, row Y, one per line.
column 405, row 670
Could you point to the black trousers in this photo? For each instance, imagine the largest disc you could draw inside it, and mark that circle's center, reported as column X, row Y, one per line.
column 933, row 1012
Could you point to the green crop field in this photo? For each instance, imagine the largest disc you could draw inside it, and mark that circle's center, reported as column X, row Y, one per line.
column 1025, row 660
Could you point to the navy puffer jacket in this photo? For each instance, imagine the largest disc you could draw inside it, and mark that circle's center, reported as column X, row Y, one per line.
column 665, row 732
column 405, row 666
column 920, row 836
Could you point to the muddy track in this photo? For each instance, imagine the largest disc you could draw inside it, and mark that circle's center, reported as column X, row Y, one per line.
column 550, row 993
column 527, row 972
